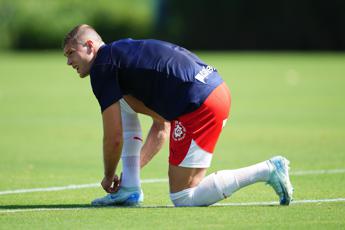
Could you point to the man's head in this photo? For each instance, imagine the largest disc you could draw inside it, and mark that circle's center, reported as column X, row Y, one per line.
column 80, row 46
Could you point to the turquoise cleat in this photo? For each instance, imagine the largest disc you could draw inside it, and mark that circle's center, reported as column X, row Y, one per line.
column 280, row 180
column 123, row 197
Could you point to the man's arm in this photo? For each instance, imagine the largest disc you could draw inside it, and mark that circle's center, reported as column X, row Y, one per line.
column 112, row 144
column 156, row 137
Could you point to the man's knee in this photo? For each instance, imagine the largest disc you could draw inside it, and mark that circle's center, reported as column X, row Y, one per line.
column 204, row 194
column 213, row 188
column 181, row 178
column 183, row 198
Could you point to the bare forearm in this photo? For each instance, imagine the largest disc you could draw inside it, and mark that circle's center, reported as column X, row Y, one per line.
column 156, row 137
column 111, row 157
column 150, row 148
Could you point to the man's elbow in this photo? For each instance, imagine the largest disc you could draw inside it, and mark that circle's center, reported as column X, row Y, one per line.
column 163, row 129
column 167, row 128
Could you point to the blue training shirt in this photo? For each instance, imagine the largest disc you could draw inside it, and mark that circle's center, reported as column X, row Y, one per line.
column 167, row 78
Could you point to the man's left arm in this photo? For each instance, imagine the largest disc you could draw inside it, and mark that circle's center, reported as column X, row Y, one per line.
column 155, row 139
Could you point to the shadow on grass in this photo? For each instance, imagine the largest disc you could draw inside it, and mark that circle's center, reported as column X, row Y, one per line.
column 46, row 206
column 70, row 206
column 52, row 207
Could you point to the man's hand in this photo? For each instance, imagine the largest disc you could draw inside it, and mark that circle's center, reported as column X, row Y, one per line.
column 111, row 185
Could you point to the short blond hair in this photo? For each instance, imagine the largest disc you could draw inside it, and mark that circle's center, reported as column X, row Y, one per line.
column 79, row 32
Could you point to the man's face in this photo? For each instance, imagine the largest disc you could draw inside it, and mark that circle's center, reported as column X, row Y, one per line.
column 79, row 57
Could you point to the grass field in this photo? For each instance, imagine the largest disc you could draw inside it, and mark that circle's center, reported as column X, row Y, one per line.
column 283, row 103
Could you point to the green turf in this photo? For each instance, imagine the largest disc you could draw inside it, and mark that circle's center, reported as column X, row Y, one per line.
column 282, row 103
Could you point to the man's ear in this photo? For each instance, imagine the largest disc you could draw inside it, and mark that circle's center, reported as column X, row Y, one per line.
column 89, row 45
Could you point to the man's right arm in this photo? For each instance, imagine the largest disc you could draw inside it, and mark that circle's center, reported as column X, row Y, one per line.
column 112, row 143
column 156, row 137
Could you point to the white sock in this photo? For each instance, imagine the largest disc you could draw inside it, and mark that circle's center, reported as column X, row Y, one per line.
column 131, row 160
column 132, row 143
column 220, row 185
column 255, row 173
column 130, row 171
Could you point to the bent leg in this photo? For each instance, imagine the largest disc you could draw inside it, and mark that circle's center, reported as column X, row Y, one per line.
column 193, row 137
column 189, row 188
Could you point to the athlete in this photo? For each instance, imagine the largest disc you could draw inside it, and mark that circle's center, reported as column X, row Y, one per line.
column 184, row 97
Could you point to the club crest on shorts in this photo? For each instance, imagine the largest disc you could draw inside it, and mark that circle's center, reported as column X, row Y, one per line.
column 179, row 131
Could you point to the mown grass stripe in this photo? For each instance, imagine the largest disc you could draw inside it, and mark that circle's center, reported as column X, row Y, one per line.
column 157, row 180
column 267, row 203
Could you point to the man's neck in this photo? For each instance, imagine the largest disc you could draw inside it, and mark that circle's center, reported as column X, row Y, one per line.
column 96, row 49
column 97, row 46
